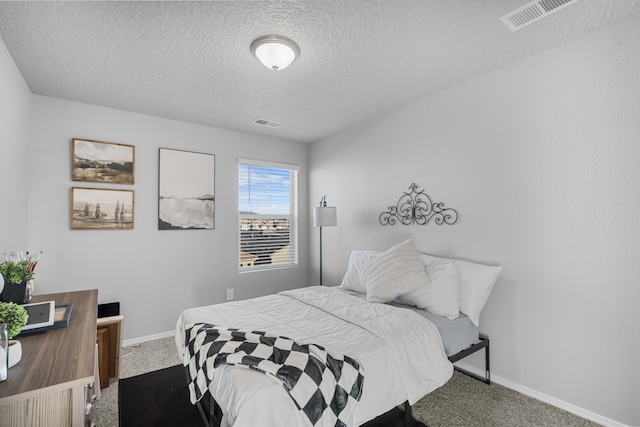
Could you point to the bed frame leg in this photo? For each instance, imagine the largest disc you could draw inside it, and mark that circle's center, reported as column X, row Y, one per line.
column 210, row 414
column 203, row 414
column 486, row 363
column 408, row 418
column 409, row 421
column 483, row 343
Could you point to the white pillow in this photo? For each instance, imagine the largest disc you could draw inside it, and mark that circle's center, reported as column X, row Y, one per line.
column 392, row 273
column 352, row 279
column 441, row 294
column 476, row 284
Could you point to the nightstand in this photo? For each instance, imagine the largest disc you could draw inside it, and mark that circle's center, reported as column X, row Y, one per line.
column 109, row 330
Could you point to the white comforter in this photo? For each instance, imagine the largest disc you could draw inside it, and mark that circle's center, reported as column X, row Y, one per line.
column 401, row 352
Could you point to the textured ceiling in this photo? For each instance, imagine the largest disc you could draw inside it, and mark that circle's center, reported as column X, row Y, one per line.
column 191, row 61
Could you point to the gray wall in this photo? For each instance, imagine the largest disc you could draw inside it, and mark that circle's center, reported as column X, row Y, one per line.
column 15, row 118
column 541, row 161
column 154, row 274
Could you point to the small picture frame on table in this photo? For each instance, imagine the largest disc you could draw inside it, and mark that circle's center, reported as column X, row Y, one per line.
column 46, row 317
column 41, row 316
column 61, row 316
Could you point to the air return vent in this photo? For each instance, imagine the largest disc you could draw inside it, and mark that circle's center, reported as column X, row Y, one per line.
column 533, row 11
column 267, row 123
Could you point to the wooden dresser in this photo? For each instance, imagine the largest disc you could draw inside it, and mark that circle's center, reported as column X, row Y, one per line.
column 52, row 385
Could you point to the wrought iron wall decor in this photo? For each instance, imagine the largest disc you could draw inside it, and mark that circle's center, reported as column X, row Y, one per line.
column 415, row 207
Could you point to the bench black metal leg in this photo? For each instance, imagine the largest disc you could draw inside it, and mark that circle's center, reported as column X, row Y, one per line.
column 483, row 343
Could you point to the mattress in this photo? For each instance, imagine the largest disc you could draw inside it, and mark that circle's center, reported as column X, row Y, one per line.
column 456, row 334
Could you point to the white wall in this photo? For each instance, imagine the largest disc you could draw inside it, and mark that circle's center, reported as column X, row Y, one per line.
column 541, row 161
column 154, row 274
column 15, row 115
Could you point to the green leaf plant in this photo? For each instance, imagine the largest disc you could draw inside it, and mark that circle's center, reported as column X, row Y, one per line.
column 16, row 272
column 14, row 316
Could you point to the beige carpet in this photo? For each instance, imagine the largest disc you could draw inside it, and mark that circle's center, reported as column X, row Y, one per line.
column 463, row 401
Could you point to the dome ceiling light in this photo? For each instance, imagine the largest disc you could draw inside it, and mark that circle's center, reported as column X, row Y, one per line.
column 275, row 52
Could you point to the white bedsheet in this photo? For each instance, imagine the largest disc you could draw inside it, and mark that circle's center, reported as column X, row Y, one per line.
column 401, row 353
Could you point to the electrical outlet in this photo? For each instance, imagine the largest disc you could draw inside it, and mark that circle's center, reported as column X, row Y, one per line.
column 229, row 294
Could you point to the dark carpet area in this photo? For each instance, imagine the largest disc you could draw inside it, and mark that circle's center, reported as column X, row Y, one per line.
column 157, row 399
column 161, row 399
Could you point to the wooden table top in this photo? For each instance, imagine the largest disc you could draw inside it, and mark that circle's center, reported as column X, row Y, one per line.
column 57, row 356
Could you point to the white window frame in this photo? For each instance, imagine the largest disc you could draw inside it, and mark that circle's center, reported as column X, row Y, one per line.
column 292, row 217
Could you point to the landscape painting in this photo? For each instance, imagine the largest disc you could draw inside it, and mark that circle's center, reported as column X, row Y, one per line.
column 108, row 162
column 186, row 199
column 101, row 209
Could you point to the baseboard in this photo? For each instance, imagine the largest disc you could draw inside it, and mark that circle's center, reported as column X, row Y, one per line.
column 576, row 410
column 136, row 341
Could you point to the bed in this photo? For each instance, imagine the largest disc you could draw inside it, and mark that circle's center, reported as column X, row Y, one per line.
column 402, row 350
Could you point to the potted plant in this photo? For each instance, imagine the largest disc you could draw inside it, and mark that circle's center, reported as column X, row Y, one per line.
column 17, row 270
column 15, row 317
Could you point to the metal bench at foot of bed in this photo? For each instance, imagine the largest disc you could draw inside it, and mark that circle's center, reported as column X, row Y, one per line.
column 482, row 343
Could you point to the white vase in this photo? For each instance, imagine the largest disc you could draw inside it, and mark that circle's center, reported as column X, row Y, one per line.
column 15, row 352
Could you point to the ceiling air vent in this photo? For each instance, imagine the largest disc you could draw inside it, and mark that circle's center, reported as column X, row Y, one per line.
column 267, row 123
column 533, row 11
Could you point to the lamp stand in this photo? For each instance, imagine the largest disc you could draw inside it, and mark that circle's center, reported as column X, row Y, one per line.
column 324, row 216
column 320, row 255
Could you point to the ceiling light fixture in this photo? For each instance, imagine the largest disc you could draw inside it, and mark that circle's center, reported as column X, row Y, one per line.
column 275, row 52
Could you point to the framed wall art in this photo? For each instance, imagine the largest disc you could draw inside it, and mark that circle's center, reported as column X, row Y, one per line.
column 186, row 190
column 108, row 162
column 101, row 209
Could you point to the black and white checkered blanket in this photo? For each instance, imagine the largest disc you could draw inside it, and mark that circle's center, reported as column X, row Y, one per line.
column 324, row 386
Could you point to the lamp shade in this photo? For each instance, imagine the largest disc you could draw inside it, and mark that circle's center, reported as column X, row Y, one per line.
column 275, row 52
column 324, row 216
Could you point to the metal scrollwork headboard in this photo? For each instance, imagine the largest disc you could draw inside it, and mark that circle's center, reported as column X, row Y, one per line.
column 415, row 207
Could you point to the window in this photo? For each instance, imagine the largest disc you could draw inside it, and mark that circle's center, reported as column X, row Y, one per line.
column 268, row 215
